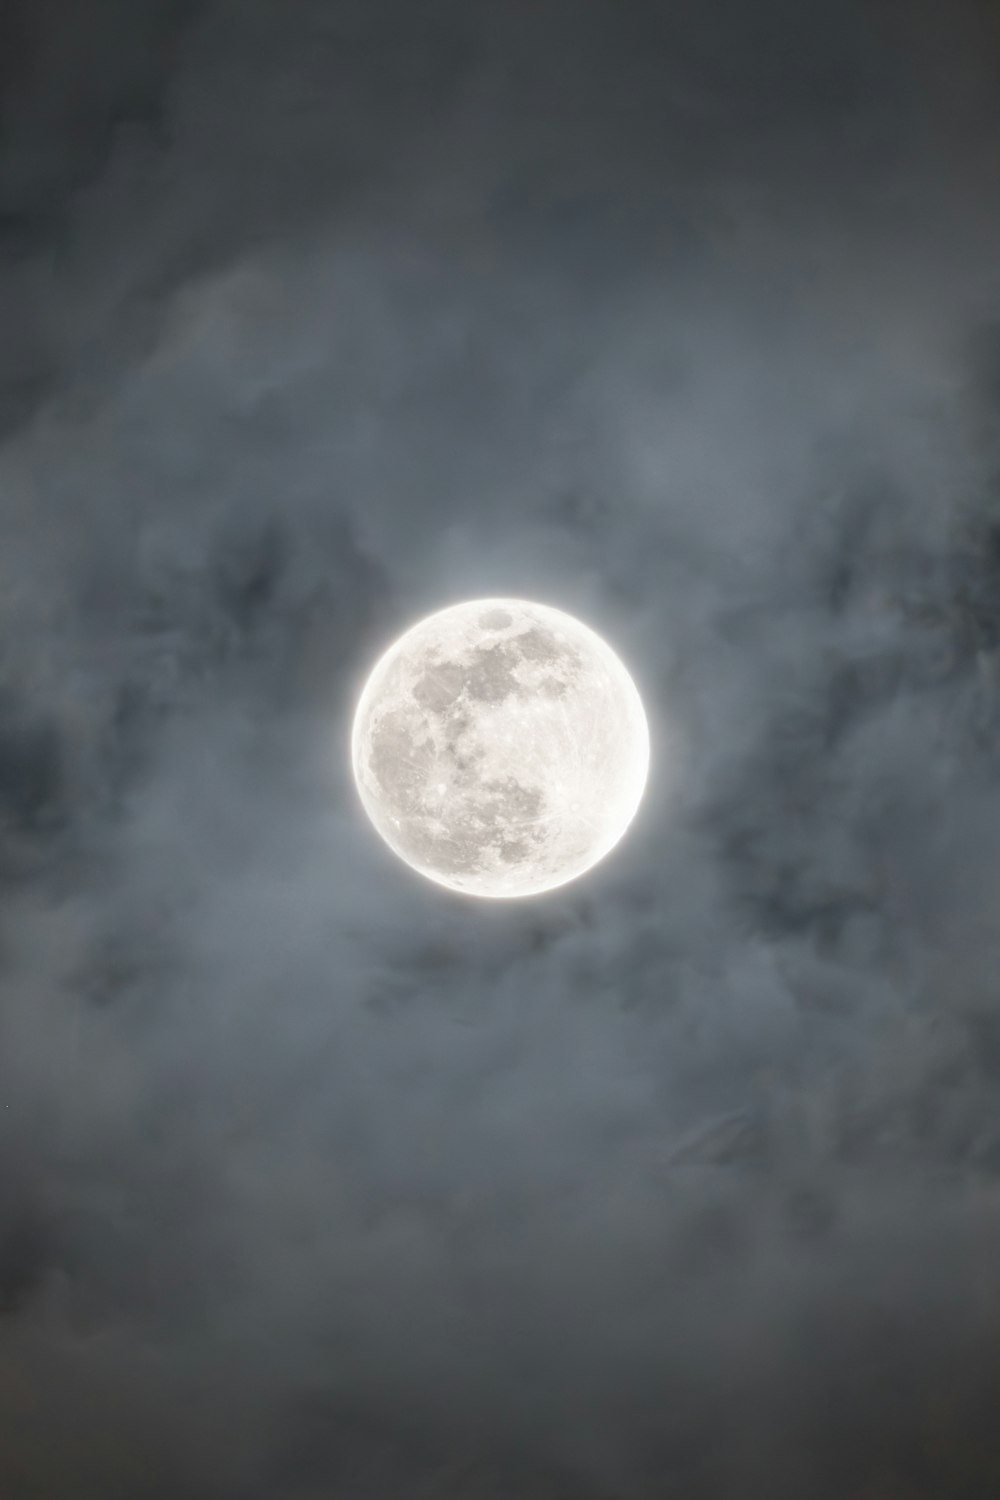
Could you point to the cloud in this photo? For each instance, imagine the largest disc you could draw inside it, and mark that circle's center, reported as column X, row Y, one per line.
column 312, row 1178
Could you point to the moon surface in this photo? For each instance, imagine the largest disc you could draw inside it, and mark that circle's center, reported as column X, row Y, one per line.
column 500, row 747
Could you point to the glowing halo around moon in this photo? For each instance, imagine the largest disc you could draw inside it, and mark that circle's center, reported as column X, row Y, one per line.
column 500, row 748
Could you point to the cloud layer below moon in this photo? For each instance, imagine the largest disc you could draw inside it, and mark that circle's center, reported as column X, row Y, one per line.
column 310, row 1182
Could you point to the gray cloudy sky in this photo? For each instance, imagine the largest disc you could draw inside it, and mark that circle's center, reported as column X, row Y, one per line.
column 682, row 1183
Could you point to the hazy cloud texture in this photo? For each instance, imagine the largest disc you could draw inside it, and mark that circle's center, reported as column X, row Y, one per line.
column 683, row 1181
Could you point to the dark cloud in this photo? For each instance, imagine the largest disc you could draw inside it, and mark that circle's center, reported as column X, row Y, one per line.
column 315, row 1180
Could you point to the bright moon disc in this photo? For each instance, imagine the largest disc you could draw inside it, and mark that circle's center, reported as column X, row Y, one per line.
column 500, row 747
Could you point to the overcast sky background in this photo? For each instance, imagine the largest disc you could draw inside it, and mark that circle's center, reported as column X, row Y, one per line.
column 315, row 1180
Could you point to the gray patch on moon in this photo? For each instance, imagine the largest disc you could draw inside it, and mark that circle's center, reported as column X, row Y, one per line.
column 439, row 685
column 400, row 762
column 491, row 677
column 512, row 801
column 495, row 619
column 537, row 645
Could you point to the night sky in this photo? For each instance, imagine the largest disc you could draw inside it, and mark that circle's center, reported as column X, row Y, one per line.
column 317, row 1181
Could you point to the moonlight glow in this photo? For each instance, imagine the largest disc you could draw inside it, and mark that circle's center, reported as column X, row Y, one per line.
column 500, row 747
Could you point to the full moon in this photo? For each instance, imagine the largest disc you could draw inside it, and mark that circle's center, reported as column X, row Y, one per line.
column 500, row 748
